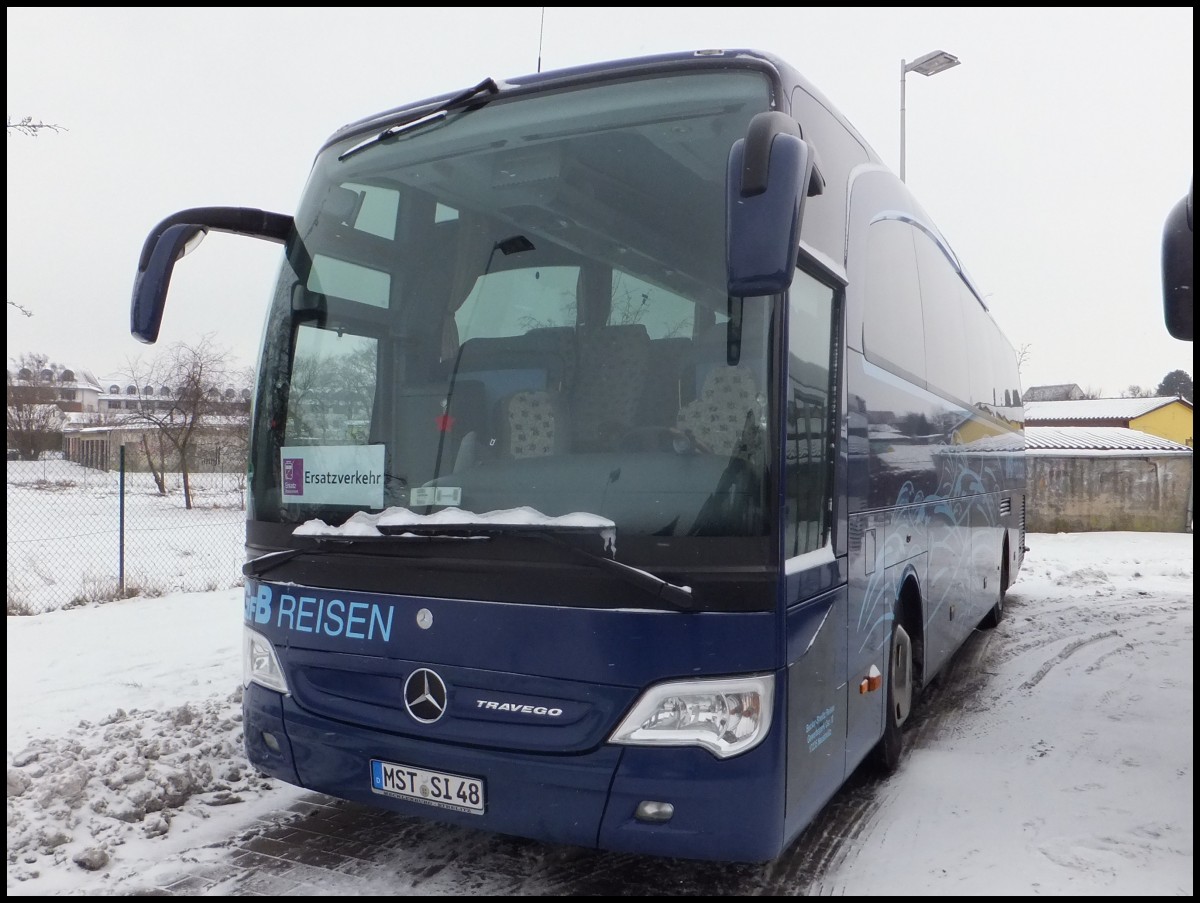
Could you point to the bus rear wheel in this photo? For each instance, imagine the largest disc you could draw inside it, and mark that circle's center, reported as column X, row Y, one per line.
column 996, row 613
column 885, row 757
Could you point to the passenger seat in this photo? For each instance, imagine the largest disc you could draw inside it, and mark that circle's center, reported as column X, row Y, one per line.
column 612, row 365
column 729, row 416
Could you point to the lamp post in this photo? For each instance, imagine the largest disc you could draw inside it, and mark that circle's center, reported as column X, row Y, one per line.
column 929, row 64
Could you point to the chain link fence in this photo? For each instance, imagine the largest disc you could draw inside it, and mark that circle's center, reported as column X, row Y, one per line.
column 79, row 535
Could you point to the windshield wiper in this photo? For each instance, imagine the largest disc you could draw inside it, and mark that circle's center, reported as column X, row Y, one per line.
column 421, row 120
column 677, row 597
column 256, row 567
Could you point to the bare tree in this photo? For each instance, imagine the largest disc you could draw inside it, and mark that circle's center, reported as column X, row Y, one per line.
column 32, row 426
column 1093, row 392
column 153, row 442
column 34, row 419
column 27, row 125
column 231, row 445
column 195, row 375
column 1023, row 355
column 331, row 396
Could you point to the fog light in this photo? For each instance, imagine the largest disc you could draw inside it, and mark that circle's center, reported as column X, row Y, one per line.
column 653, row 811
column 269, row 739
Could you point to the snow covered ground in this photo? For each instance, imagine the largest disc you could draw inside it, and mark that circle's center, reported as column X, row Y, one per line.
column 65, row 544
column 1065, row 768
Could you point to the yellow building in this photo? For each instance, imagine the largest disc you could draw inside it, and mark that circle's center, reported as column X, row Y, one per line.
column 1168, row 417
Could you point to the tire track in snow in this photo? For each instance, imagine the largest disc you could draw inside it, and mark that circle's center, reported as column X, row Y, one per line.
column 1064, row 655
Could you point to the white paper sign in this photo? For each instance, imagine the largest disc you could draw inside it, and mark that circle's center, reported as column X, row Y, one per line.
column 435, row 495
column 333, row 475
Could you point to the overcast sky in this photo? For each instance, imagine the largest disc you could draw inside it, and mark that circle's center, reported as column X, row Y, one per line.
column 1049, row 158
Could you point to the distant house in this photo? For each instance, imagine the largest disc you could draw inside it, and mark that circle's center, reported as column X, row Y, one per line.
column 1082, row 479
column 40, row 400
column 95, row 439
column 1168, row 417
column 95, row 418
column 71, row 391
column 123, row 395
column 1068, row 392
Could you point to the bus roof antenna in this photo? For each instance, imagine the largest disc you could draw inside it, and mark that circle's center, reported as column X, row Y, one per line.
column 541, row 32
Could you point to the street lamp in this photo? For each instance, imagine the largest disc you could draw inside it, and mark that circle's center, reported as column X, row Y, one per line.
column 929, row 64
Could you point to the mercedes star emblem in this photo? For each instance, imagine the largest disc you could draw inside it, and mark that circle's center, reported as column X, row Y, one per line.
column 425, row 696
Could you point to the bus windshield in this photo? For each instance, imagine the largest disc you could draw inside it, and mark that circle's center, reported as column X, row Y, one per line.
column 522, row 307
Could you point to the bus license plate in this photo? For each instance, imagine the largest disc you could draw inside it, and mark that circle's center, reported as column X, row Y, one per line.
column 434, row 788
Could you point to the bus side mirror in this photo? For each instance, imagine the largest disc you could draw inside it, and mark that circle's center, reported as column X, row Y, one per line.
column 176, row 236
column 154, row 276
column 770, row 173
column 1177, row 253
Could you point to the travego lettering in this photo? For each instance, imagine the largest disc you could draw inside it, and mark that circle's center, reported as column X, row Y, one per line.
column 517, row 707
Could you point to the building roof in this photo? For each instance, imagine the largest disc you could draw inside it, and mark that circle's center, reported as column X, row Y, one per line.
column 64, row 377
column 1093, row 439
column 1053, row 393
column 1097, row 408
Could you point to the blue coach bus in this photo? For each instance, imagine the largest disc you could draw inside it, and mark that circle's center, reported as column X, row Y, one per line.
column 629, row 449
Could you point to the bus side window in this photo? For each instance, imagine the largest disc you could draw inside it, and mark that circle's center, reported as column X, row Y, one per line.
column 811, row 307
column 893, row 333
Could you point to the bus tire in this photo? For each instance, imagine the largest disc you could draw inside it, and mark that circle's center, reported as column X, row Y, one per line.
column 996, row 613
column 885, row 756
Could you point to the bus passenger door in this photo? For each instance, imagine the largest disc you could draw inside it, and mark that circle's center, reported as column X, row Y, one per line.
column 816, row 701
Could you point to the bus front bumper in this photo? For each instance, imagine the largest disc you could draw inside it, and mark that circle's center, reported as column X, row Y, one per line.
column 725, row 810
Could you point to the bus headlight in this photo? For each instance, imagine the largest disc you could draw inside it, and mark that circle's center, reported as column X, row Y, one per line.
column 260, row 665
column 727, row 716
